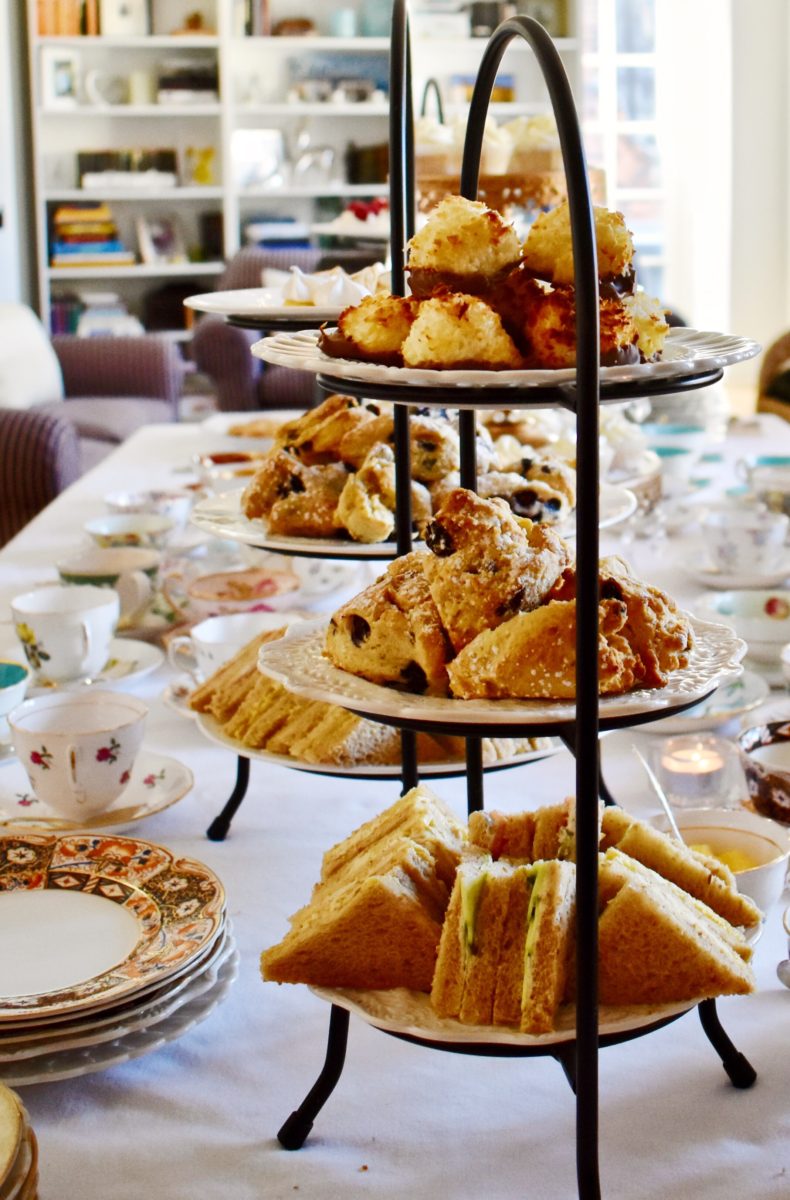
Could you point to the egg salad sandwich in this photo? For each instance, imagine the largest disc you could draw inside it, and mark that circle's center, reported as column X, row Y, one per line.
column 375, row 917
column 507, row 943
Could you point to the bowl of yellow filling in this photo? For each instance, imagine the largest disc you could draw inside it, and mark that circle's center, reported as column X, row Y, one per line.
column 755, row 848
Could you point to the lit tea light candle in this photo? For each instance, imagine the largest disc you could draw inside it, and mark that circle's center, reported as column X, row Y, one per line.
column 694, row 770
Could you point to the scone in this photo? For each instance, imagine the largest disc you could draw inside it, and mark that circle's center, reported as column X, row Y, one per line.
column 659, row 634
column 278, row 476
column 391, row 633
column 315, row 436
column 536, row 499
column 372, row 331
column 367, row 503
column 459, row 331
column 309, row 506
column 433, row 440
column 464, row 246
column 533, row 656
column 485, row 565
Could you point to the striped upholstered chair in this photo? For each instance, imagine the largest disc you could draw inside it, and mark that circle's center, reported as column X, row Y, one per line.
column 222, row 351
column 39, row 457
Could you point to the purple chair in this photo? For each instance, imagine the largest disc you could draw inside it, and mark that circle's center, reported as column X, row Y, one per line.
column 39, row 457
column 222, row 352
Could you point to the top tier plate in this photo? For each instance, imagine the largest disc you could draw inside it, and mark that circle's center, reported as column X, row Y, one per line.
column 691, row 358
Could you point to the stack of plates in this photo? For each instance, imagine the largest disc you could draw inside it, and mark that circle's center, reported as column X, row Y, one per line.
column 110, row 947
column 18, row 1150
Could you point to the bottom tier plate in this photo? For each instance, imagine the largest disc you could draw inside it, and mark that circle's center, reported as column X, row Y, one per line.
column 409, row 1014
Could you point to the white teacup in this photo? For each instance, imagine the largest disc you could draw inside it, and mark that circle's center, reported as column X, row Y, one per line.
column 175, row 505
column 130, row 570
column 66, row 631
column 130, row 529
column 768, row 475
column 215, row 641
column 748, row 540
column 78, row 750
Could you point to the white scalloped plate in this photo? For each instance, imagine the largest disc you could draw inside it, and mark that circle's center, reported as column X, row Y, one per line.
column 297, row 661
column 398, row 1010
column 222, row 517
column 263, row 303
column 687, row 352
column 214, row 732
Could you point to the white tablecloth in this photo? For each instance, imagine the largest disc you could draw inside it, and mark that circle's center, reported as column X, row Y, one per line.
column 198, row 1117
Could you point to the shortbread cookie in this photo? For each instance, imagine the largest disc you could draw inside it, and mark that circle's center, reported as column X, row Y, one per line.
column 533, row 656
column 486, row 565
column 391, row 632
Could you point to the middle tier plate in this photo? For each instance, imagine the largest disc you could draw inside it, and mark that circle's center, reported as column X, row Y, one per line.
column 297, row 661
column 222, row 517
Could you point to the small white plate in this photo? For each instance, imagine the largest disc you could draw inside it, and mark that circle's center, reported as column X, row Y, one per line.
column 157, row 782
column 731, row 580
column 130, row 660
column 263, row 303
column 176, row 696
column 731, row 699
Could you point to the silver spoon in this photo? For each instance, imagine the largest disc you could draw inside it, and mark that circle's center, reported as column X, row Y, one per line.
column 660, row 793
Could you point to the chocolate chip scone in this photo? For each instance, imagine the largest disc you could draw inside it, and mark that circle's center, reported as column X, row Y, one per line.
column 391, row 633
column 658, row 633
column 533, row 656
column 308, row 508
column 434, row 444
column 486, row 565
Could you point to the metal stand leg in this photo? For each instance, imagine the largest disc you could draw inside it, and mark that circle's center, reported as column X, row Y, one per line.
column 566, row 1057
column 296, row 1128
column 740, row 1071
column 474, row 774
column 218, row 829
column 568, row 740
column 410, row 773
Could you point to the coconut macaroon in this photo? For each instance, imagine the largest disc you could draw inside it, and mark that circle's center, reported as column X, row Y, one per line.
column 464, row 245
column 649, row 321
column 373, row 330
column 459, row 331
column 548, row 250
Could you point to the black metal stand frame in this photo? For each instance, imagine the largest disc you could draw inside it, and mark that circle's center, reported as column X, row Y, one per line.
column 578, row 1057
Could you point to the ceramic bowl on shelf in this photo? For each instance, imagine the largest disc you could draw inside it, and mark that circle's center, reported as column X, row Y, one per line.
column 755, row 848
column 760, row 617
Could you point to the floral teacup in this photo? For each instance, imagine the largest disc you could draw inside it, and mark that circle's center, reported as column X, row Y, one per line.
column 78, row 749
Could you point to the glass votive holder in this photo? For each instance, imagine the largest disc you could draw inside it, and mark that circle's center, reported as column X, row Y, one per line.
column 700, row 771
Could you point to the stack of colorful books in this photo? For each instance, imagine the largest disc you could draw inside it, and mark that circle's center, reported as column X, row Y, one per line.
column 85, row 235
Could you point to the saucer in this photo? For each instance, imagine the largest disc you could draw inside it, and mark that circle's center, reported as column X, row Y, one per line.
column 730, row 699
column 129, row 661
column 725, row 581
column 157, row 782
column 176, row 696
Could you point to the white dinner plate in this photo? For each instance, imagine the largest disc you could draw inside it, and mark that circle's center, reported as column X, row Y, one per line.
column 222, row 517
column 263, row 303
column 69, row 1063
column 297, row 661
column 399, row 1010
column 731, row 699
column 726, row 581
column 687, row 353
column 214, row 732
column 157, row 781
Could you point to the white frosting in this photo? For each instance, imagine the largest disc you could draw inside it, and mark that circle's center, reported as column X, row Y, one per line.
column 333, row 288
column 430, row 135
column 534, row 133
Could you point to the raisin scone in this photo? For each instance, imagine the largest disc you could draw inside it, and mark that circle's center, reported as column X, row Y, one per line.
column 367, row 503
column 315, row 436
column 309, row 506
column 486, row 565
column 391, row 633
column 658, row 633
column 278, row 476
column 533, row 656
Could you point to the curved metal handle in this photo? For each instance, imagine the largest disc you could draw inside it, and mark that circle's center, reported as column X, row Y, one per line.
column 432, row 89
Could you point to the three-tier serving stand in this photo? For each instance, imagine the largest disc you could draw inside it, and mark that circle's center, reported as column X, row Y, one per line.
column 583, row 721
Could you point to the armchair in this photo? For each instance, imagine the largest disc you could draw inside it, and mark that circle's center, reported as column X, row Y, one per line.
column 105, row 387
column 222, row 352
